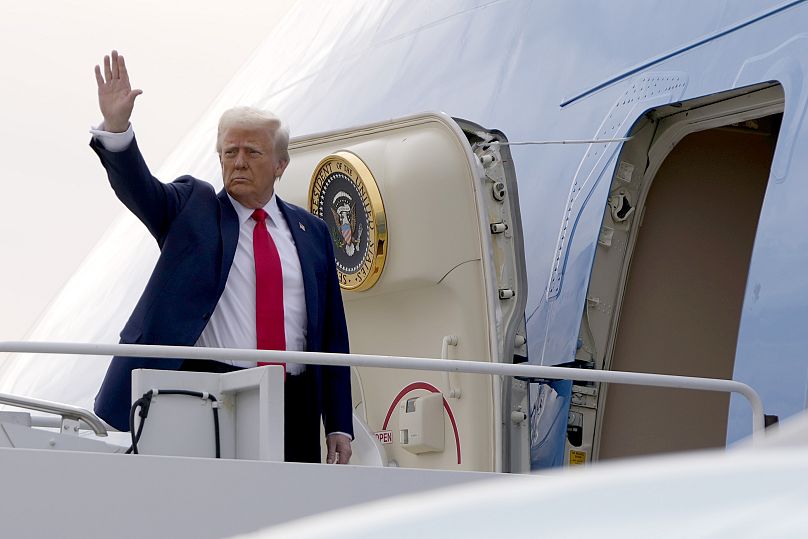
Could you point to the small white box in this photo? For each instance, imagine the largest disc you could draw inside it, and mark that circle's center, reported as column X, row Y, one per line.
column 421, row 424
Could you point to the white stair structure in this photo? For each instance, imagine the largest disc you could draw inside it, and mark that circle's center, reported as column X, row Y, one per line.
column 177, row 491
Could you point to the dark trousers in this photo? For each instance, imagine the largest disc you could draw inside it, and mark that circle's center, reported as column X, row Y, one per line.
column 301, row 432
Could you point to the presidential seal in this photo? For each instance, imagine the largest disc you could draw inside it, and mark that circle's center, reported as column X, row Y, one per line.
column 344, row 194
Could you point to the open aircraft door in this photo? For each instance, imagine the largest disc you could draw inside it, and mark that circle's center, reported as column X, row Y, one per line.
column 425, row 222
column 668, row 270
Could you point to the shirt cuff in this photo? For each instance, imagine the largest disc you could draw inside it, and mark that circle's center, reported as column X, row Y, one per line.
column 113, row 142
column 343, row 433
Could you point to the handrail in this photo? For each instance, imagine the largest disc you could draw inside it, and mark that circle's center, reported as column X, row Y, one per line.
column 52, row 422
column 64, row 410
column 398, row 362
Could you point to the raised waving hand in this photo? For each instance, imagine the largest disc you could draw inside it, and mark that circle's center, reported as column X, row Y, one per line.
column 116, row 98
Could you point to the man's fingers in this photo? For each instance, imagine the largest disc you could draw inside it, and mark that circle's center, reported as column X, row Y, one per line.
column 132, row 95
column 345, row 453
column 344, row 449
column 98, row 78
column 107, row 69
column 339, row 448
column 124, row 73
column 116, row 72
column 114, row 69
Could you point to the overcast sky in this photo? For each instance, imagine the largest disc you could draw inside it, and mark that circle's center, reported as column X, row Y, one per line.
column 56, row 202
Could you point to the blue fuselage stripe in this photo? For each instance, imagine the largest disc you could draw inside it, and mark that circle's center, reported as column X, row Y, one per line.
column 676, row 52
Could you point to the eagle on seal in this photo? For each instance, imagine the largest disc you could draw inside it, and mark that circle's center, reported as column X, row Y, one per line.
column 343, row 209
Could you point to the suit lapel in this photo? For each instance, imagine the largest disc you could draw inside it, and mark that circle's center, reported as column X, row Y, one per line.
column 228, row 225
column 304, row 243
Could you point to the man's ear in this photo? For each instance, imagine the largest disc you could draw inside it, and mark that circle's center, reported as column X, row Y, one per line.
column 280, row 167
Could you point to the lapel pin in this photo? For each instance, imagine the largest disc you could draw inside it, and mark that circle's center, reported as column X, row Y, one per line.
column 303, row 228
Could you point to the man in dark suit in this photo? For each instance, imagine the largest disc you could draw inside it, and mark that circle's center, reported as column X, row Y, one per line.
column 237, row 269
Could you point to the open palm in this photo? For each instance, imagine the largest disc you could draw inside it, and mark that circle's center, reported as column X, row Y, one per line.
column 115, row 95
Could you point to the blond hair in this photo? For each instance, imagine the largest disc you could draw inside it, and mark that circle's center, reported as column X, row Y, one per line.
column 251, row 117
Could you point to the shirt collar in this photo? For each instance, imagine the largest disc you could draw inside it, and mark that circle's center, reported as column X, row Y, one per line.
column 245, row 214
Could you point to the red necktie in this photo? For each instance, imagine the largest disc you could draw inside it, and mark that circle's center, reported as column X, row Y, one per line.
column 268, row 289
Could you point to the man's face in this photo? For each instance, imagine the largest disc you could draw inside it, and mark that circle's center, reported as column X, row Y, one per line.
column 250, row 165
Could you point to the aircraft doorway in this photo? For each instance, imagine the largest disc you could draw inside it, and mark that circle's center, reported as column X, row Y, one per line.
column 682, row 304
column 675, row 251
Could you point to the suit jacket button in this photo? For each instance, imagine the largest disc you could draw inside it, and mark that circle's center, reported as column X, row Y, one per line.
column 206, row 316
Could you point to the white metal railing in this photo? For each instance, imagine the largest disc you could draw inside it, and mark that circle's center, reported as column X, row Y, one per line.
column 398, row 362
column 68, row 412
column 52, row 422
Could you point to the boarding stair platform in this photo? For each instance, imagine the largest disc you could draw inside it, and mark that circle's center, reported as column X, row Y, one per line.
column 70, row 470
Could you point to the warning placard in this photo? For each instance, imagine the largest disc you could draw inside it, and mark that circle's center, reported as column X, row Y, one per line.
column 577, row 457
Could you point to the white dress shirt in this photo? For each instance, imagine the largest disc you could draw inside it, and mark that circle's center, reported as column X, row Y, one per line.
column 232, row 324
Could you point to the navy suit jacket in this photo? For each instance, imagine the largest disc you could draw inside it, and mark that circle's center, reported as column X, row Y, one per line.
column 197, row 232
